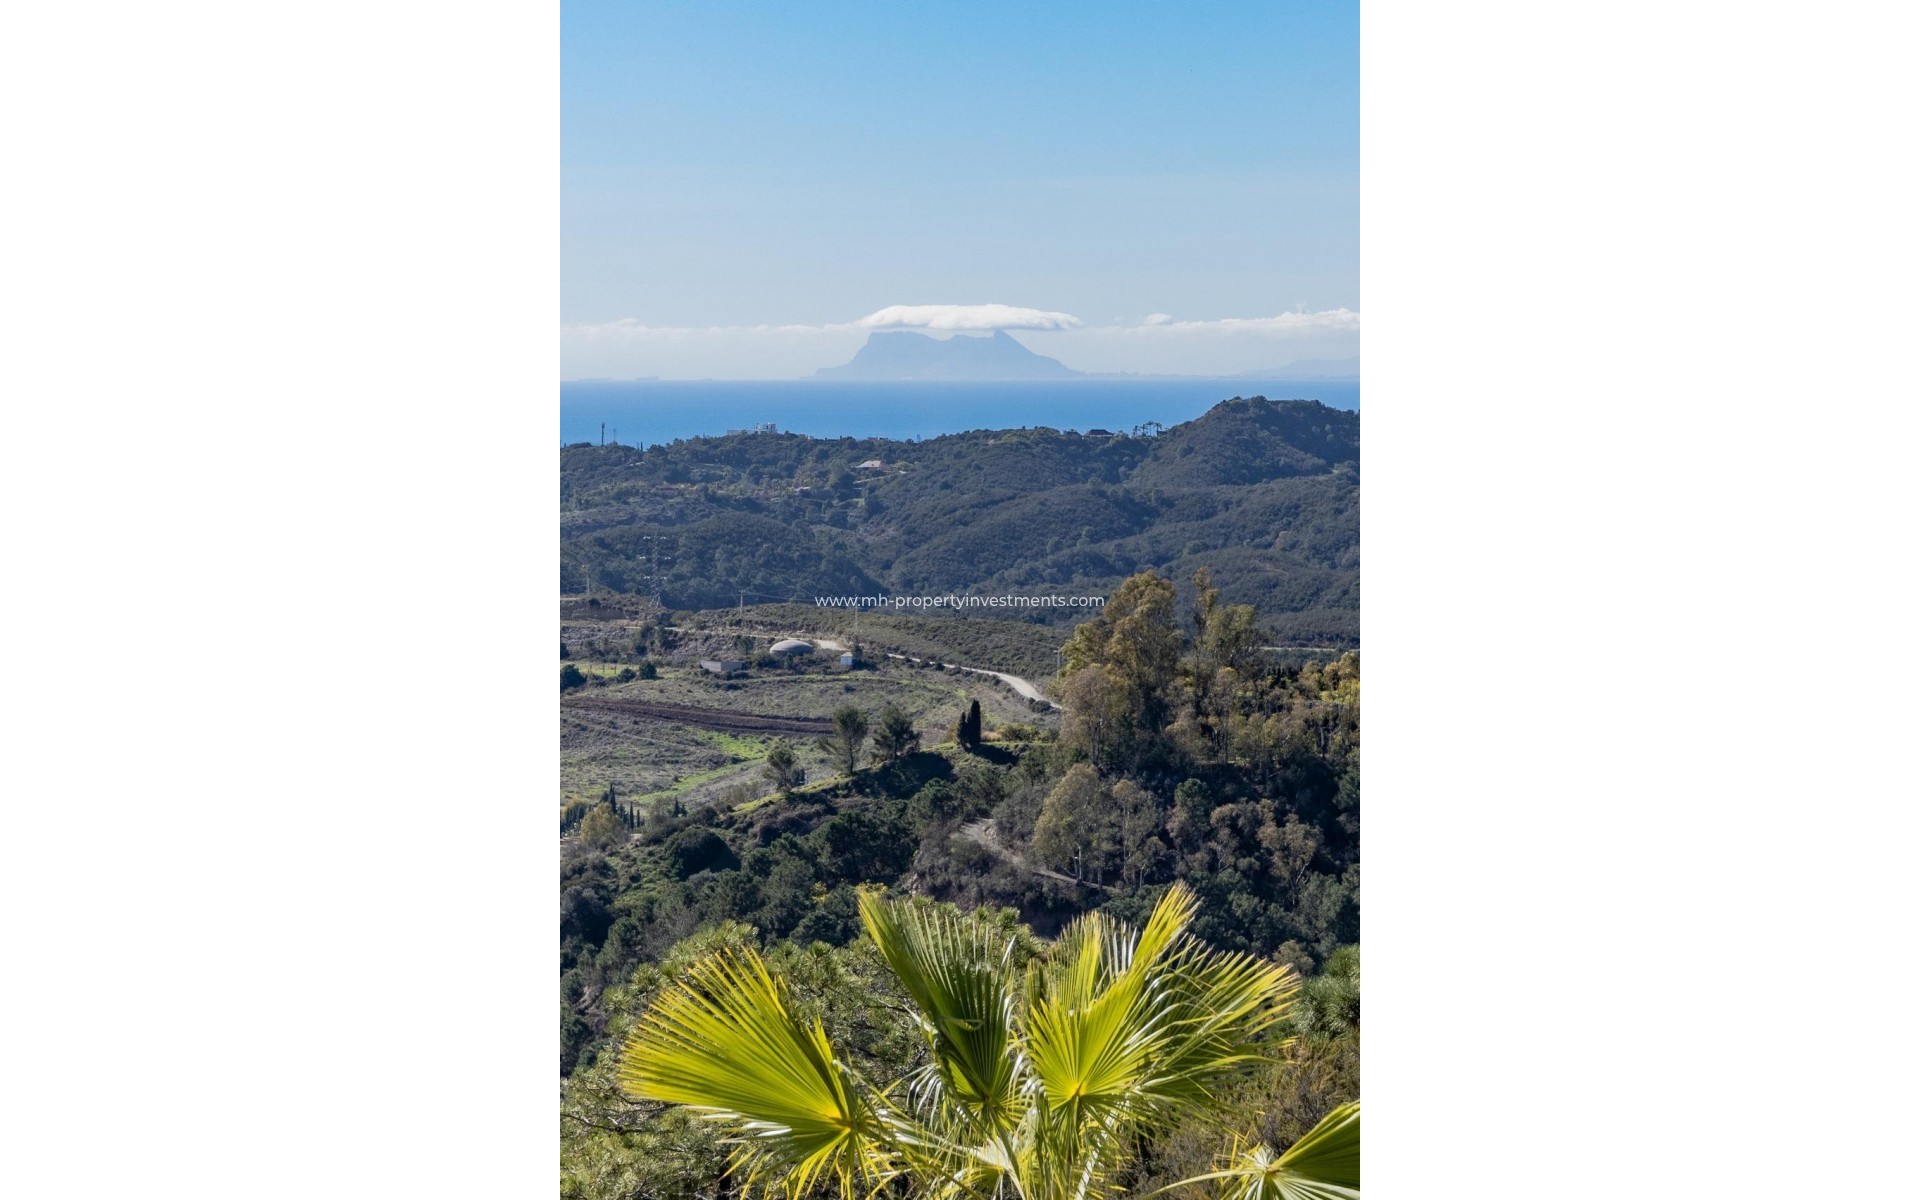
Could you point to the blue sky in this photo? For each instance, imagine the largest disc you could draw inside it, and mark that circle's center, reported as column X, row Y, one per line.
column 743, row 182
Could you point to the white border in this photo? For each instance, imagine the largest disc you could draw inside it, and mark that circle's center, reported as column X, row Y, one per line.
column 280, row 292
column 1638, row 592
column 279, row 479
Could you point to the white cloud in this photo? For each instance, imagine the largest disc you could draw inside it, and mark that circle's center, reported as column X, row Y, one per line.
column 940, row 317
column 1325, row 323
column 1162, row 344
column 966, row 317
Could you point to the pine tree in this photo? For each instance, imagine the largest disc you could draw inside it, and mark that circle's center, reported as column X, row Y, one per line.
column 895, row 737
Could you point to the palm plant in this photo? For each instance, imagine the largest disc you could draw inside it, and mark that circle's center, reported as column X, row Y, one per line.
column 1040, row 1083
column 1323, row 1165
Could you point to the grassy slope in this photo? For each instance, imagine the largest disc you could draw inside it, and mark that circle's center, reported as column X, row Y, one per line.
column 649, row 758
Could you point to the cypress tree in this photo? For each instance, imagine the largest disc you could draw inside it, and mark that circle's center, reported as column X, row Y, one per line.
column 966, row 730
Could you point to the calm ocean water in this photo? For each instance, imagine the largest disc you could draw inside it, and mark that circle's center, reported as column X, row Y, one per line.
column 645, row 413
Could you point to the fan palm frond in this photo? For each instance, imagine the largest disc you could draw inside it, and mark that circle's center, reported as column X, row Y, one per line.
column 724, row 1042
column 956, row 970
column 1037, row 1088
column 1323, row 1165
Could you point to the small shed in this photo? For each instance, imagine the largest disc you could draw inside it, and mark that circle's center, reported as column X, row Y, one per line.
column 723, row 666
column 848, row 660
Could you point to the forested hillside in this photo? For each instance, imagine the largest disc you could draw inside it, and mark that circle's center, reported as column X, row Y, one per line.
column 1188, row 760
column 1264, row 494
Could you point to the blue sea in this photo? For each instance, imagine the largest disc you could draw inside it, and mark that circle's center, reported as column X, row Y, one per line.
column 646, row 412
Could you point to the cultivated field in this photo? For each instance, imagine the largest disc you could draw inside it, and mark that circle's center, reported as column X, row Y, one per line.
column 693, row 736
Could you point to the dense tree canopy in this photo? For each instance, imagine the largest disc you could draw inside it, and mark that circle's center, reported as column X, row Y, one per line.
column 1265, row 495
column 1189, row 759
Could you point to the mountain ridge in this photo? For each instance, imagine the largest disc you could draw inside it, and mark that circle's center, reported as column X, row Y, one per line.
column 1265, row 494
column 902, row 355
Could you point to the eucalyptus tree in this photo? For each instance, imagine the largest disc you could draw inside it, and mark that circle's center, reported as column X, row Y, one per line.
column 1041, row 1082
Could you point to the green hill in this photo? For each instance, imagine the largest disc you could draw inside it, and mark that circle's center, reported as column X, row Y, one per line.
column 1265, row 494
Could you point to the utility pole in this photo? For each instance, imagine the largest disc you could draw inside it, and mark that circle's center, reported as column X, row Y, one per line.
column 603, row 433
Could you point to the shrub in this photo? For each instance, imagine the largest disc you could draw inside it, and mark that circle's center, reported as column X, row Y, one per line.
column 782, row 768
column 603, row 828
column 692, row 851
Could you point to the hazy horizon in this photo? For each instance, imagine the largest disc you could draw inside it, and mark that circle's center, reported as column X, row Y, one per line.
column 1301, row 368
column 1134, row 190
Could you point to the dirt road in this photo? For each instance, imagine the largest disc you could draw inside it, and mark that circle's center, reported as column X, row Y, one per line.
column 983, row 834
column 1026, row 688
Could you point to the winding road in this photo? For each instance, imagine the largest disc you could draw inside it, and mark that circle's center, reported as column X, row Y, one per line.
column 1026, row 688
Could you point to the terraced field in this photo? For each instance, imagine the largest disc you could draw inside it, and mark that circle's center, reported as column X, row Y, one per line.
column 722, row 719
column 690, row 735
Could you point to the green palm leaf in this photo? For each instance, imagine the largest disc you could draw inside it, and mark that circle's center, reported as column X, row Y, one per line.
column 1323, row 1165
column 956, row 971
column 1220, row 1007
column 1038, row 1091
column 1157, row 1019
column 723, row 1042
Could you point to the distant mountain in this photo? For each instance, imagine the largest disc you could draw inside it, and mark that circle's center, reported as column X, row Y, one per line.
column 904, row 355
column 1308, row 368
